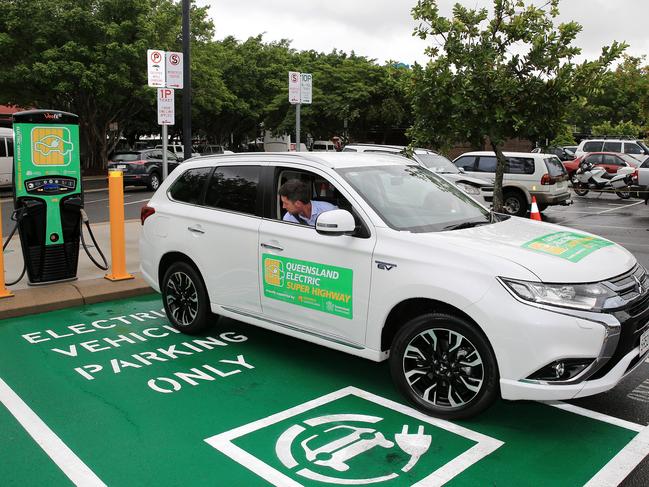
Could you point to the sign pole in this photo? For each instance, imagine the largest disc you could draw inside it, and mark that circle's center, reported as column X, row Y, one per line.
column 165, row 169
column 297, row 127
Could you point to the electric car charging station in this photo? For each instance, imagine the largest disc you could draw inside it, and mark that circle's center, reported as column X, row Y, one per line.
column 48, row 195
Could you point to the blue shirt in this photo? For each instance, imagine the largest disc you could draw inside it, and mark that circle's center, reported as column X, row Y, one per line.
column 317, row 207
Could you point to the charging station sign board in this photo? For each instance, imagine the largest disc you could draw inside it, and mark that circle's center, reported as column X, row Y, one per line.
column 166, row 111
column 174, row 67
column 155, row 68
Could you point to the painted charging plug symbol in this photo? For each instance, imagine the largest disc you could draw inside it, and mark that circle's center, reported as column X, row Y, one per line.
column 413, row 444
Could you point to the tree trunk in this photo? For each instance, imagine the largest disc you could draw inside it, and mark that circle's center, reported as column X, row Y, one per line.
column 498, row 183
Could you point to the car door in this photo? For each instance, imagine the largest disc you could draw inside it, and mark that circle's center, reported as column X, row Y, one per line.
column 612, row 163
column 316, row 283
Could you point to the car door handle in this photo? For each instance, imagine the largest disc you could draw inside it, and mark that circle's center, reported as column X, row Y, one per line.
column 272, row 247
column 195, row 230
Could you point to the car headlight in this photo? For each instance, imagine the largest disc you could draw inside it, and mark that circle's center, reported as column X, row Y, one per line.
column 468, row 189
column 591, row 297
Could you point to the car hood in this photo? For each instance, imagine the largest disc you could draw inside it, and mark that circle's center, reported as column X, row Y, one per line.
column 552, row 252
column 459, row 177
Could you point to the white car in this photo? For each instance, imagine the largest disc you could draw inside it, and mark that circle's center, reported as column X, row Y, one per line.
column 526, row 174
column 635, row 148
column 467, row 305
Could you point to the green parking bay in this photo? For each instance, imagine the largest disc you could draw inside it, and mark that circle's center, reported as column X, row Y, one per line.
column 113, row 395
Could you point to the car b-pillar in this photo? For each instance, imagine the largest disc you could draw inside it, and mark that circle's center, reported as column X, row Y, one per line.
column 47, row 193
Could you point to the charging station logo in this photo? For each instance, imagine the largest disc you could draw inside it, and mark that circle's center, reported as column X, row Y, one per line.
column 51, row 146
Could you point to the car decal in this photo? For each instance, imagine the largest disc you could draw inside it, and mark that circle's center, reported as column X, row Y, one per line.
column 567, row 245
column 309, row 284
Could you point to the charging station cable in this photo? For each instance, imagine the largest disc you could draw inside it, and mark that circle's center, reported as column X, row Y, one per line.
column 84, row 219
column 16, row 216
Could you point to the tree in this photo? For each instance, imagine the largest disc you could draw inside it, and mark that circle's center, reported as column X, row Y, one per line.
column 496, row 77
column 624, row 129
column 88, row 57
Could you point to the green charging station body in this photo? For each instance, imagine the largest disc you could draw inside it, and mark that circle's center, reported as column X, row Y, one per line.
column 48, row 197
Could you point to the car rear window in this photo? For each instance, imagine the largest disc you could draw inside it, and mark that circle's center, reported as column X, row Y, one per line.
column 612, row 146
column 555, row 167
column 593, row 146
column 126, row 157
column 189, row 186
column 632, row 148
column 234, row 188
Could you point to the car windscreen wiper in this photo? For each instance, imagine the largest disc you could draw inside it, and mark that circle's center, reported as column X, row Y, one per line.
column 460, row 226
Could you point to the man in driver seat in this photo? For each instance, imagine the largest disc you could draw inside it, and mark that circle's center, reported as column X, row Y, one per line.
column 296, row 200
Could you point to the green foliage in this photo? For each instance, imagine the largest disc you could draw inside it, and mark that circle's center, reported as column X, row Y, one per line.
column 497, row 77
column 628, row 129
column 563, row 137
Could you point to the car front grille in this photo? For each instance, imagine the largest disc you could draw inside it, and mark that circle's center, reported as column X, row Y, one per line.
column 633, row 288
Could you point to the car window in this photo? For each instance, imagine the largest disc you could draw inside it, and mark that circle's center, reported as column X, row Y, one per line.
column 3, row 147
column 188, row 188
column 487, row 164
column 632, row 148
column 349, row 149
column 465, row 162
column 555, row 167
column 412, row 198
column 519, row 165
column 593, row 146
column 594, row 159
column 611, row 160
column 612, row 146
column 170, row 156
column 154, row 154
column 645, row 164
column 10, row 147
column 234, row 188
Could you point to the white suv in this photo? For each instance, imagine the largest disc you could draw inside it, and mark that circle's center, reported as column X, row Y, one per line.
column 467, row 305
column 526, row 174
column 635, row 148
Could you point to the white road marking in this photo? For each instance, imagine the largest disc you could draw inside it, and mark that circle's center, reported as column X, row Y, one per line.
column 71, row 465
column 595, row 415
column 485, row 445
column 640, row 393
column 605, row 211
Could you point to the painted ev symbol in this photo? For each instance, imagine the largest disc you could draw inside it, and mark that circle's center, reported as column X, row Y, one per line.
column 337, row 446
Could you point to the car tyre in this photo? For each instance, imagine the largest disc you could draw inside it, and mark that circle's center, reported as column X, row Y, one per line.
column 444, row 366
column 514, row 203
column 185, row 298
column 154, row 182
column 625, row 195
column 580, row 189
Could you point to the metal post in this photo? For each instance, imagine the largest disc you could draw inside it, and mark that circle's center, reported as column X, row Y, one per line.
column 187, row 85
column 297, row 127
column 165, row 170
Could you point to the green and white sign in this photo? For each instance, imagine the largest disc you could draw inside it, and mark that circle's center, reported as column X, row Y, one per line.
column 567, row 245
column 312, row 285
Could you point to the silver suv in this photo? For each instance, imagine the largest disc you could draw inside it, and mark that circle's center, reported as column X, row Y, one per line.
column 635, row 148
column 475, row 187
column 540, row 175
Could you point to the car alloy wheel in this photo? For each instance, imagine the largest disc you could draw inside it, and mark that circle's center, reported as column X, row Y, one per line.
column 185, row 298
column 514, row 204
column 154, row 182
column 444, row 366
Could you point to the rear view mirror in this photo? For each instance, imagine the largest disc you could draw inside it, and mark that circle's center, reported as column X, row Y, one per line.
column 335, row 222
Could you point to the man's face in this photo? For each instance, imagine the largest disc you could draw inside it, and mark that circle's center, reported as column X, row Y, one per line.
column 293, row 207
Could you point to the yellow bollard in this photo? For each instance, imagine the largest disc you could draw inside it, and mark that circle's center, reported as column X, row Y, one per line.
column 117, row 242
column 4, row 292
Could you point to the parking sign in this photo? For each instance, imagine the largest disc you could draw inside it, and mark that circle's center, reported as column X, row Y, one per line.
column 174, row 66
column 155, row 68
column 293, row 87
column 306, row 85
column 166, row 113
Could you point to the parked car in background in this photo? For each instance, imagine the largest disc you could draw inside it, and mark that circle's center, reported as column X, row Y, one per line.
column 142, row 167
column 6, row 157
column 178, row 150
column 475, row 187
column 323, row 146
column 635, row 148
column 208, row 150
column 610, row 161
column 563, row 153
column 526, row 174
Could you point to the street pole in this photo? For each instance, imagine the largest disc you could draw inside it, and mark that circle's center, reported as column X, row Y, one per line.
column 187, row 85
column 165, row 169
column 297, row 127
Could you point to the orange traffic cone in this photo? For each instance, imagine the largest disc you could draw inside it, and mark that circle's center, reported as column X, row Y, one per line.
column 534, row 212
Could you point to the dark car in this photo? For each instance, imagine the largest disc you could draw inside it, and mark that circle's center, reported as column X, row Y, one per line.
column 142, row 167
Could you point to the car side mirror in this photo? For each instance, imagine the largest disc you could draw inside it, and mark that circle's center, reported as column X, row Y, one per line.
column 335, row 223
column 461, row 169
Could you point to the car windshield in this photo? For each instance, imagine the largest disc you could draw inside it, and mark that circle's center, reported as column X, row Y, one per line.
column 555, row 167
column 414, row 199
column 437, row 163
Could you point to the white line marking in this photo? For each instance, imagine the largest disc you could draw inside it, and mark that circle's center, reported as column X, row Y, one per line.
column 608, row 226
column 595, row 415
column 71, row 465
column 138, row 201
column 223, row 441
column 605, row 211
column 616, row 470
